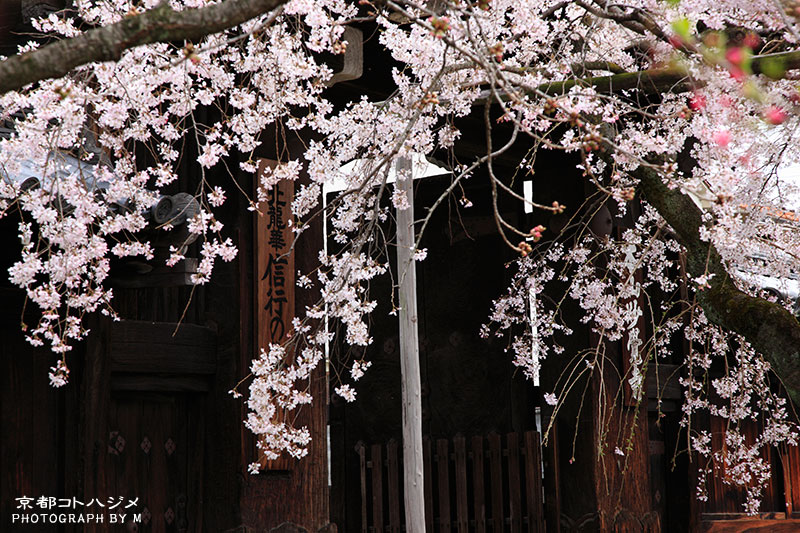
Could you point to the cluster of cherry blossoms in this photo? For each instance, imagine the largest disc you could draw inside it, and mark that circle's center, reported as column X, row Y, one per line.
column 532, row 60
column 597, row 273
column 274, row 388
column 744, row 399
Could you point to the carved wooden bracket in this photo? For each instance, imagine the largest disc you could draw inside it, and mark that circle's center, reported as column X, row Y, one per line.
column 32, row 9
column 353, row 66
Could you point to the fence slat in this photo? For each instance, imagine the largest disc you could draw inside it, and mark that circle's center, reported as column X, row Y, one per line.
column 426, row 459
column 478, row 485
column 521, row 458
column 496, row 469
column 533, row 481
column 462, row 511
column 791, row 480
column 514, row 496
column 362, row 463
column 552, row 480
column 395, row 524
column 443, row 466
column 377, row 488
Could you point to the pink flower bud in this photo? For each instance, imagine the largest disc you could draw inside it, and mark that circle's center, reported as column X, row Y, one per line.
column 722, row 138
column 697, row 102
column 737, row 73
column 774, row 115
column 734, row 55
column 752, row 40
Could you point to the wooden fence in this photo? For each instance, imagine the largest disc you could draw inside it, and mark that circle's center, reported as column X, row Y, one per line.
column 480, row 484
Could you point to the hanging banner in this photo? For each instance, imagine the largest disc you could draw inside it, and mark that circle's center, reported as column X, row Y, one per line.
column 274, row 274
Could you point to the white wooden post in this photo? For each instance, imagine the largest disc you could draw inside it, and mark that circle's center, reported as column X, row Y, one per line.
column 413, row 471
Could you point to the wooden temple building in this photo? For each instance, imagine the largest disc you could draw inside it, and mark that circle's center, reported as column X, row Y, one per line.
column 147, row 415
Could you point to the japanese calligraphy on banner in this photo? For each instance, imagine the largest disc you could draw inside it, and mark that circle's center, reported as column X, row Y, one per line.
column 274, row 275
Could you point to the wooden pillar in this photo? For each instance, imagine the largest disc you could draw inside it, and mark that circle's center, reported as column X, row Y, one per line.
column 622, row 471
column 413, row 471
column 290, row 493
column 94, row 415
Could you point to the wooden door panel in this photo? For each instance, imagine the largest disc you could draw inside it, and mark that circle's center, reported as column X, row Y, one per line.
column 150, row 426
column 155, row 455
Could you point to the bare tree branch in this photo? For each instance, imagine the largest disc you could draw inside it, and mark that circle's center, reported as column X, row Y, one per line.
column 667, row 79
column 161, row 24
column 673, row 78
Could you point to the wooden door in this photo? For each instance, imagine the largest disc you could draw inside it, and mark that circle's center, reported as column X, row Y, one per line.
column 145, row 413
column 155, row 457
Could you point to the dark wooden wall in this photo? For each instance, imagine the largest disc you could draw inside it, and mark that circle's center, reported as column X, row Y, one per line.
column 147, row 412
column 37, row 453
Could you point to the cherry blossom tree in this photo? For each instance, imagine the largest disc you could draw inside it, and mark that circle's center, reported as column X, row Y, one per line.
column 688, row 107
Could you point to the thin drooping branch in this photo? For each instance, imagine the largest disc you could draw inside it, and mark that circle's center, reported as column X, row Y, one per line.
column 161, row 24
column 768, row 326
